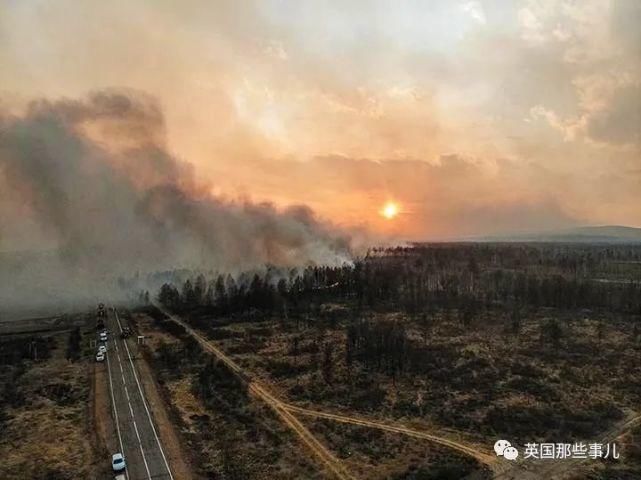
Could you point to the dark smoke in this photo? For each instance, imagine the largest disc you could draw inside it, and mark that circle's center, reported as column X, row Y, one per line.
column 92, row 184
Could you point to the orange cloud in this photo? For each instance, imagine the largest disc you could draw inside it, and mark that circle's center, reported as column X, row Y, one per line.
column 477, row 119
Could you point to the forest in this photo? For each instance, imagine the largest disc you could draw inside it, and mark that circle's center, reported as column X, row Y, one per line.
column 429, row 283
column 481, row 338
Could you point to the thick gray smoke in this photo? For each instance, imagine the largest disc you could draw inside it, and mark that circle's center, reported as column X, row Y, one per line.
column 91, row 186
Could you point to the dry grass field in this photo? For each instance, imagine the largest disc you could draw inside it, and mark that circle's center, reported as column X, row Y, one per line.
column 46, row 423
column 528, row 343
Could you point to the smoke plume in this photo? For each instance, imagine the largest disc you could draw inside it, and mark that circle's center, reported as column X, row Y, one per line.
column 91, row 185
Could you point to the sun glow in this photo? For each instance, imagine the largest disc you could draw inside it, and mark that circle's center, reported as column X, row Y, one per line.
column 390, row 210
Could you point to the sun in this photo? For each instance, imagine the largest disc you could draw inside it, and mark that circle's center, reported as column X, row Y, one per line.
column 390, row 210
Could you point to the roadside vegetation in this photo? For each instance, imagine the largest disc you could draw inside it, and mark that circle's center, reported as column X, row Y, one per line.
column 230, row 435
column 44, row 404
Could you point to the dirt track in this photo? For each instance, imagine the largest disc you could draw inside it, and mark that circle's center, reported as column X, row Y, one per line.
column 281, row 409
column 470, row 450
column 502, row 469
column 285, row 410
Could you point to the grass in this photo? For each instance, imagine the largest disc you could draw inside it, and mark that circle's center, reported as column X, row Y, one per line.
column 46, row 432
column 483, row 380
column 235, row 436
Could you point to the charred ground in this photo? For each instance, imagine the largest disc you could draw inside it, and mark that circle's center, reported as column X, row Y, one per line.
column 533, row 342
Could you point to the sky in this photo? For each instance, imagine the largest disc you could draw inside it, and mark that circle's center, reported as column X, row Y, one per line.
column 472, row 117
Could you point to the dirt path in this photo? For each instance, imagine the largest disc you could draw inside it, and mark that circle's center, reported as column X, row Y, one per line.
column 503, row 469
column 325, row 456
column 285, row 410
column 480, row 455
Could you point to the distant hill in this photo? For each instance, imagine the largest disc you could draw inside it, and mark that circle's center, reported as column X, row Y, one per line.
column 587, row 234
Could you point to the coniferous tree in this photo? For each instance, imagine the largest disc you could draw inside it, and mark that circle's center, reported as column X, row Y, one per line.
column 73, row 345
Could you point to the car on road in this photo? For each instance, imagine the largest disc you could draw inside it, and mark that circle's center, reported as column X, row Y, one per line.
column 102, row 349
column 103, row 336
column 118, row 462
column 120, row 476
column 100, row 357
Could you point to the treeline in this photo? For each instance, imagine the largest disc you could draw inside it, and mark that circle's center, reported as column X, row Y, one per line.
column 14, row 350
column 15, row 354
column 225, row 295
column 566, row 257
column 461, row 277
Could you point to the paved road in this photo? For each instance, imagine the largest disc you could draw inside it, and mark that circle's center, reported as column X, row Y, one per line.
column 137, row 435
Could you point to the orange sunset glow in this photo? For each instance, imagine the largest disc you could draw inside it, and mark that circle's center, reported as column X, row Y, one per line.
column 390, row 210
column 338, row 107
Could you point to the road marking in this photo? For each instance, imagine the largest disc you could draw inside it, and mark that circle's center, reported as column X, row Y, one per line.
column 113, row 403
column 133, row 418
column 144, row 401
column 144, row 459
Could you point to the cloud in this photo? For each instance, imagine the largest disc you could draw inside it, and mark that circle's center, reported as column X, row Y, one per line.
column 625, row 18
column 611, row 115
column 475, row 10
column 449, row 197
column 619, row 122
column 339, row 106
column 597, row 44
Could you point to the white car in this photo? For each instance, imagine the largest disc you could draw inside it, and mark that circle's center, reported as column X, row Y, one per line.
column 100, row 357
column 103, row 336
column 102, row 349
column 118, row 462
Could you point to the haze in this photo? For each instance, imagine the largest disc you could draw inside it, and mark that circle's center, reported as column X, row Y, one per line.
column 474, row 117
